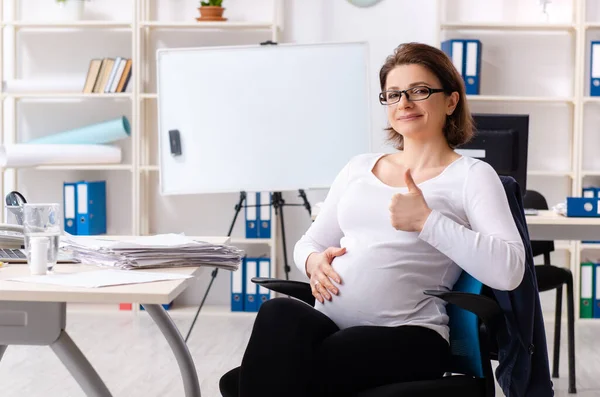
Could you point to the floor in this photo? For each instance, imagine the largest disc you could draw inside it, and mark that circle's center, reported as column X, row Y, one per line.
column 134, row 359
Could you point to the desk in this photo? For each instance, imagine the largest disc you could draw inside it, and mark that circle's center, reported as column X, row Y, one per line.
column 35, row 314
column 548, row 225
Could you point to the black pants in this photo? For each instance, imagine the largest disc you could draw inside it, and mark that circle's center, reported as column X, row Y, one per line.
column 297, row 351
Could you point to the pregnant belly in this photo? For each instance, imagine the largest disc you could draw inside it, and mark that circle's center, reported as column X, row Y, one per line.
column 371, row 293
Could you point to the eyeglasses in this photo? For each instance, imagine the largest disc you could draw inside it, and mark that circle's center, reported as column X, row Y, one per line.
column 418, row 93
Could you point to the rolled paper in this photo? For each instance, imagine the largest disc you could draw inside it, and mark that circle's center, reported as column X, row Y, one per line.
column 104, row 132
column 30, row 155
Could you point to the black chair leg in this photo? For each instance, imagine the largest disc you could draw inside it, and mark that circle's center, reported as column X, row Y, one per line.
column 557, row 327
column 571, row 332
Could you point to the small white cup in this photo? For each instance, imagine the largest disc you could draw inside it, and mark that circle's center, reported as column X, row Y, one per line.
column 38, row 263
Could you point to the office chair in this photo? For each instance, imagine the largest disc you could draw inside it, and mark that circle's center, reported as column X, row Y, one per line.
column 471, row 318
column 551, row 277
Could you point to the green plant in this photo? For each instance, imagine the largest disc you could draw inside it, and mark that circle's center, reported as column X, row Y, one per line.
column 214, row 3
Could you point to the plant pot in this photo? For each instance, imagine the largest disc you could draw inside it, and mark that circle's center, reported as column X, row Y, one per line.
column 211, row 13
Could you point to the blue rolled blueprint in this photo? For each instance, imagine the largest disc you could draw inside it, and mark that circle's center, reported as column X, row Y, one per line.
column 103, row 132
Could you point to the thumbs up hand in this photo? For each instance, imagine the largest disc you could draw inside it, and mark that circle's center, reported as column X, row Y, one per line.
column 409, row 211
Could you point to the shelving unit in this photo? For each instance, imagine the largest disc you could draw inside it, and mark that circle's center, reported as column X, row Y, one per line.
column 139, row 167
column 575, row 97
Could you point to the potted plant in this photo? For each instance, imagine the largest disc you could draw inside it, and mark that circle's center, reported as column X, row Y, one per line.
column 211, row 10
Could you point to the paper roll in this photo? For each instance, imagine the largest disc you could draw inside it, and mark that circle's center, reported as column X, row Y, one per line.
column 29, row 155
column 104, row 132
column 42, row 85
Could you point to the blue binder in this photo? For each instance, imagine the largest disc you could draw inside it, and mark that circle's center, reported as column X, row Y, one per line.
column 472, row 70
column 91, row 208
column 237, row 288
column 595, row 68
column 251, row 215
column 264, row 218
column 590, row 193
column 251, row 303
column 70, row 207
column 264, row 270
column 596, row 291
column 582, row 207
column 455, row 49
column 466, row 58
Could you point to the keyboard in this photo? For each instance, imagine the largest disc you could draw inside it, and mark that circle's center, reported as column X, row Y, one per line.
column 15, row 255
column 11, row 253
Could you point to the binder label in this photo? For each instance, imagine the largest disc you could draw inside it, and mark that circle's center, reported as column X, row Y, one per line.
column 69, row 201
column 264, row 271
column 595, row 62
column 471, row 59
column 236, row 282
column 82, row 198
column 457, row 55
column 251, row 207
column 250, row 273
column 586, row 282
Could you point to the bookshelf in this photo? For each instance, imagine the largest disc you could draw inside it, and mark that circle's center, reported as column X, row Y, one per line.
column 562, row 120
column 133, row 29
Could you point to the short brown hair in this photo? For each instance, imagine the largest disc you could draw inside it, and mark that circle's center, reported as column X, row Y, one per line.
column 458, row 128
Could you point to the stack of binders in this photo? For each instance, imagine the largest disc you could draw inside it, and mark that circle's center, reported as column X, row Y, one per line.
column 85, row 207
column 245, row 295
column 466, row 57
column 258, row 215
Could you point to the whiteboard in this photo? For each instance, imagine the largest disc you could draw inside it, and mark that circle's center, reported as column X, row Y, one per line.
column 261, row 118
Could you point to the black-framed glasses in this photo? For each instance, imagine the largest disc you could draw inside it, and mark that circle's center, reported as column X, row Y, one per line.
column 419, row 93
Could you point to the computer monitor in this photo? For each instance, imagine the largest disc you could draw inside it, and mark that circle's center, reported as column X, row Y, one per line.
column 501, row 140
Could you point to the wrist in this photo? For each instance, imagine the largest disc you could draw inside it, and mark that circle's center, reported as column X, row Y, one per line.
column 424, row 220
column 309, row 263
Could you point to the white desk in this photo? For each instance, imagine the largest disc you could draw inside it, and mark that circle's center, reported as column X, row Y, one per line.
column 548, row 225
column 35, row 314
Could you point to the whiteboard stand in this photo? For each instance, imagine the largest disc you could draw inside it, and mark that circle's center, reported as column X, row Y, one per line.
column 278, row 203
column 238, row 207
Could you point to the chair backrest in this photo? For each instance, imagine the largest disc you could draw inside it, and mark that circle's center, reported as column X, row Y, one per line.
column 536, row 200
column 465, row 351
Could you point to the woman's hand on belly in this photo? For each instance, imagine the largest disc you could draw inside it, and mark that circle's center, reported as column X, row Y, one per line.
column 318, row 267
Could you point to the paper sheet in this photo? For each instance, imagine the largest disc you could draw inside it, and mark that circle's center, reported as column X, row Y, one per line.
column 100, row 278
column 24, row 154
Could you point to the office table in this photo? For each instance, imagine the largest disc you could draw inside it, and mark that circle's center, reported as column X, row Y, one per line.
column 548, row 225
column 35, row 314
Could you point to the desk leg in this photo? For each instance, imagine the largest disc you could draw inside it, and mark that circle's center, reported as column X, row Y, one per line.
column 180, row 349
column 79, row 367
column 2, row 350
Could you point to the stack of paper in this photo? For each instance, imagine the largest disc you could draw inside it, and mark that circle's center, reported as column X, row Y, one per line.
column 162, row 250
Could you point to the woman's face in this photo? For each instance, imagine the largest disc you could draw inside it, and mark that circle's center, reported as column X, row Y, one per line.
column 412, row 118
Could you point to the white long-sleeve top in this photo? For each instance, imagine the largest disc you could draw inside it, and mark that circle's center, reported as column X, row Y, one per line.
column 385, row 271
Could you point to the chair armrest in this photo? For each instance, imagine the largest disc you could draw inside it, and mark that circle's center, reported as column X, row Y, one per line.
column 297, row 289
column 482, row 306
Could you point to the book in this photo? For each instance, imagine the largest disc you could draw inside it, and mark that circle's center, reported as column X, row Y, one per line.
column 125, row 77
column 92, row 75
column 112, row 75
column 118, row 74
column 107, row 66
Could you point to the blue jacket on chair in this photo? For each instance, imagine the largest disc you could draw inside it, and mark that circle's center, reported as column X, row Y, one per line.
column 523, row 368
